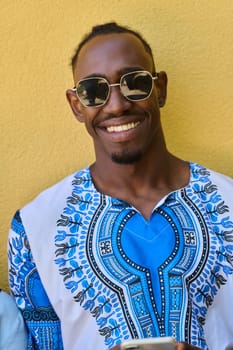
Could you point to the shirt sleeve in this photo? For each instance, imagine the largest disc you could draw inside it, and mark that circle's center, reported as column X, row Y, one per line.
column 12, row 329
column 43, row 325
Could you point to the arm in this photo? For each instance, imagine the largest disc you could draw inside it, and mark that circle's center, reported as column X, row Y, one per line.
column 43, row 325
column 12, row 328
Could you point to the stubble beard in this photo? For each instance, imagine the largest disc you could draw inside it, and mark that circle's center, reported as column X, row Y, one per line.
column 126, row 157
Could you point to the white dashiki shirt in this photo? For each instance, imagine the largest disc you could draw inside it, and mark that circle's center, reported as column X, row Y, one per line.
column 89, row 271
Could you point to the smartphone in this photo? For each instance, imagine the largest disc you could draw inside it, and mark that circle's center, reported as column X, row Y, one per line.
column 158, row 343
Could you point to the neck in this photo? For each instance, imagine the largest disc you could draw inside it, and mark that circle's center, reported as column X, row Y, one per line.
column 144, row 183
column 115, row 173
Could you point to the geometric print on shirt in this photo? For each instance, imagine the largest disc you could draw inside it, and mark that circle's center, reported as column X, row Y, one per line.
column 143, row 278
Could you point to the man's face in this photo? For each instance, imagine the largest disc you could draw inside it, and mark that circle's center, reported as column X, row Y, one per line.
column 121, row 129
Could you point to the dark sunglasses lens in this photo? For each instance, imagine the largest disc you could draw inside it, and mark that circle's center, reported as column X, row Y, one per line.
column 136, row 85
column 93, row 92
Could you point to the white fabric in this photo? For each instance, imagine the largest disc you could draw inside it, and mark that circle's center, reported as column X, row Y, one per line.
column 87, row 336
column 219, row 320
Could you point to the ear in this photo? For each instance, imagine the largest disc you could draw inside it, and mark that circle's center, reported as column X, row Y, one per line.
column 161, row 84
column 75, row 105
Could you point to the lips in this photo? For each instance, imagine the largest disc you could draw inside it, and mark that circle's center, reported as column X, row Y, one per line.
column 122, row 127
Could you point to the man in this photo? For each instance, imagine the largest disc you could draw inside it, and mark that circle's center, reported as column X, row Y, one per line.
column 137, row 245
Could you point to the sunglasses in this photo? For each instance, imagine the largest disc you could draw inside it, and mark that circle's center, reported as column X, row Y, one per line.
column 95, row 91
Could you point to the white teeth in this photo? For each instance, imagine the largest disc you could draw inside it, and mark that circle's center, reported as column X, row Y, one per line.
column 124, row 127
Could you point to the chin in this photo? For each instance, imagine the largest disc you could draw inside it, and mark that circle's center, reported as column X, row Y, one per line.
column 126, row 157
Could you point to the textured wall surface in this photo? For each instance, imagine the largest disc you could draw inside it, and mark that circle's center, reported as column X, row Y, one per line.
column 40, row 140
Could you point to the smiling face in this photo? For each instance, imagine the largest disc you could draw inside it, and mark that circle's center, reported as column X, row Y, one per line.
column 122, row 130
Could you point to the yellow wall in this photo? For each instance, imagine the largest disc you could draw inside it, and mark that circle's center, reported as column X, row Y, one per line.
column 40, row 140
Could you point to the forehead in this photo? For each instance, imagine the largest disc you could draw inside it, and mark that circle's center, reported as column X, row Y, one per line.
column 111, row 53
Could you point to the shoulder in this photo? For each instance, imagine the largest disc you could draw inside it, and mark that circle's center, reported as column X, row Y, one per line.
column 56, row 191
column 204, row 171
column 222, row 180
column 53, row 199
column 39, row 217
column 224, row 186
column 213, row 181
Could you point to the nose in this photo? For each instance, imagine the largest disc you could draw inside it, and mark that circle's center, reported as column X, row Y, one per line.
column 117, row 103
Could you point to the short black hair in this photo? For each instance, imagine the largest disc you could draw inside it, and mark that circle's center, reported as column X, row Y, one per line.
column 109, row 28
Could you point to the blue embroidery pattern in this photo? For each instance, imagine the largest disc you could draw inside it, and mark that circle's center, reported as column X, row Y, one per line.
column 160, row 291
